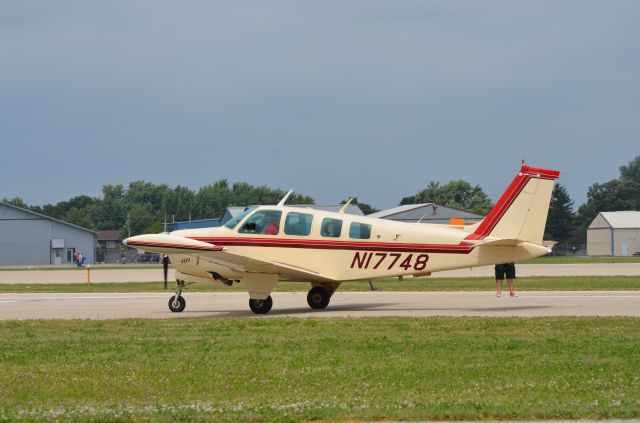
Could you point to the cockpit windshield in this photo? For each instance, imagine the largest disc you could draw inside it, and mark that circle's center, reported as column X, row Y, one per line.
column 234, row 222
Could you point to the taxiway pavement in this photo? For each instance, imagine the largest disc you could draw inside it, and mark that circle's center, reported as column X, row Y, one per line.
column 293, row 304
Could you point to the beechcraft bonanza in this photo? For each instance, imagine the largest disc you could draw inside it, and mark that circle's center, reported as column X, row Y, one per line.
column 268, row 244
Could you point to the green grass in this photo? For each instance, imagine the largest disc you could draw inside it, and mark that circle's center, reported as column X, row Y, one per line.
column 564, row 283
column 580, row 260
column 286, row 369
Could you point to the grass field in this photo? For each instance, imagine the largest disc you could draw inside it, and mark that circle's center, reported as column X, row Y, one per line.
column 580, row 260
column 289, row 369
column 565, row 283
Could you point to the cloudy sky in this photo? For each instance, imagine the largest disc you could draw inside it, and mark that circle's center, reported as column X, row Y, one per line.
column 331, row 98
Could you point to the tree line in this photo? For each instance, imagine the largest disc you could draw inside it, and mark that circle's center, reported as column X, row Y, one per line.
column 619, row 194
column 142, row 207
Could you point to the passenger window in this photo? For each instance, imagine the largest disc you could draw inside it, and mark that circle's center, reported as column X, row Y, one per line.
column 331, row 227
column 360, row 231
column 265, row 222
column 298, row 224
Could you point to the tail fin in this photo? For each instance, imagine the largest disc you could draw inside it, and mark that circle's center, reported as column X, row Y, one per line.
column 521, row 212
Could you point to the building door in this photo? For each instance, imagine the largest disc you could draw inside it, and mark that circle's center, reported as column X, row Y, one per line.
column 57, row 256
column 625, row 249
column 70, row 253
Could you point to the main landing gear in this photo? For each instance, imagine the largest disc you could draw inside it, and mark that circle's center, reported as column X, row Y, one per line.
column 261, row 306
column 318, row 297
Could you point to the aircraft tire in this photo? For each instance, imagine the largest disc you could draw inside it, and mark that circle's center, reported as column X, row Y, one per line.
column 261, row 306
column 318, row 298
column 182, row 303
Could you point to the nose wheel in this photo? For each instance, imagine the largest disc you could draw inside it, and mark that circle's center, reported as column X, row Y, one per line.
column 261, row 306
column 177, row 303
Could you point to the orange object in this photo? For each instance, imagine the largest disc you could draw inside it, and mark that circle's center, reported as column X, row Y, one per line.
column 456, row 222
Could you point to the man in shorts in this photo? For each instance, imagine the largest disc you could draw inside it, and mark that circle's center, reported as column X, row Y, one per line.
column 508, row 270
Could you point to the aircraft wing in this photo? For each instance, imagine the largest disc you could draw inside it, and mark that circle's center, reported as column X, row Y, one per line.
column 172, row 244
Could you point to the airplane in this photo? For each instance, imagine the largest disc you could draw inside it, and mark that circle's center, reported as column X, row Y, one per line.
column 267, row 244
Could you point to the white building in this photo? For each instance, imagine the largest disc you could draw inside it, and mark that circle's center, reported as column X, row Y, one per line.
column 614, row 234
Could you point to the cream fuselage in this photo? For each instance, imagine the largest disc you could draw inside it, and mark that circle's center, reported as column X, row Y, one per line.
column 393, row 249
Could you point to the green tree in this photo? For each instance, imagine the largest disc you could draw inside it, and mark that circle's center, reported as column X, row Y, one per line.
column 561, row 218
column 111, row 213
column 80, row 217
column 178, row 203
column 631, row 171
column 459, row 194
column 16, row 201
column 141, row 220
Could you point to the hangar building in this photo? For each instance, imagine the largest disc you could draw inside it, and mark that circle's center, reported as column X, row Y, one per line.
column 28, row 238
column 427, row 213
column 614, row 234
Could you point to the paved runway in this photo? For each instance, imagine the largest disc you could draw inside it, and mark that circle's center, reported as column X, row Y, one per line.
column 355, row 304
column 99, row 275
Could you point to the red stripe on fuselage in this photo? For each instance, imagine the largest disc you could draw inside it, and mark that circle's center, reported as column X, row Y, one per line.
column 176, row 246
column 461, row 248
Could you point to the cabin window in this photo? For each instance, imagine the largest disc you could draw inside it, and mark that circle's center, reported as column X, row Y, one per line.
column 266, row 222
column 360, row 231
column 232, row 223
column 298, row 224
column 331, row 227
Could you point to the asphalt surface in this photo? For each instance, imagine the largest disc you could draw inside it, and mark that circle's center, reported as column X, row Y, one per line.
column 355, row 304
column 99, row 275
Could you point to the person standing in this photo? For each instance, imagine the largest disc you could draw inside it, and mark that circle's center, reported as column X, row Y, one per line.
column 507, row 270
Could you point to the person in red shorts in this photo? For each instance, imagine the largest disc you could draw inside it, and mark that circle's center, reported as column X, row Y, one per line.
column 507, row 270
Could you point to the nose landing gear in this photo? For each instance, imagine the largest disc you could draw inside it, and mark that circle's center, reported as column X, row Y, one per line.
column 177, row 303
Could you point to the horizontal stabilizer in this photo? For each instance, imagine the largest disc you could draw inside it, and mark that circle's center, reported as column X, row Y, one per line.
column 169, row 244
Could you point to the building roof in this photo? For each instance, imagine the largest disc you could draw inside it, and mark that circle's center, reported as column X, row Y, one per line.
column 411, row 207
column 46, row 217
column 193, row 224
column 352, row 209
column 109, row 235
column 397, row 210
column 622, row 219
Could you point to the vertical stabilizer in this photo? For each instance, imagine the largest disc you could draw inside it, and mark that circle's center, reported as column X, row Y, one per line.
column 521, row 212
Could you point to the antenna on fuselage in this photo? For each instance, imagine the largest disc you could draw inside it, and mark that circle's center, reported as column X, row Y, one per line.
column 423, row 216
column 284, row 199
column 346, row 205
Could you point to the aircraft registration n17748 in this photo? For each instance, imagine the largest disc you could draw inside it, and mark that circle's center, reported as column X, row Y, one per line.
column 267, row 244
